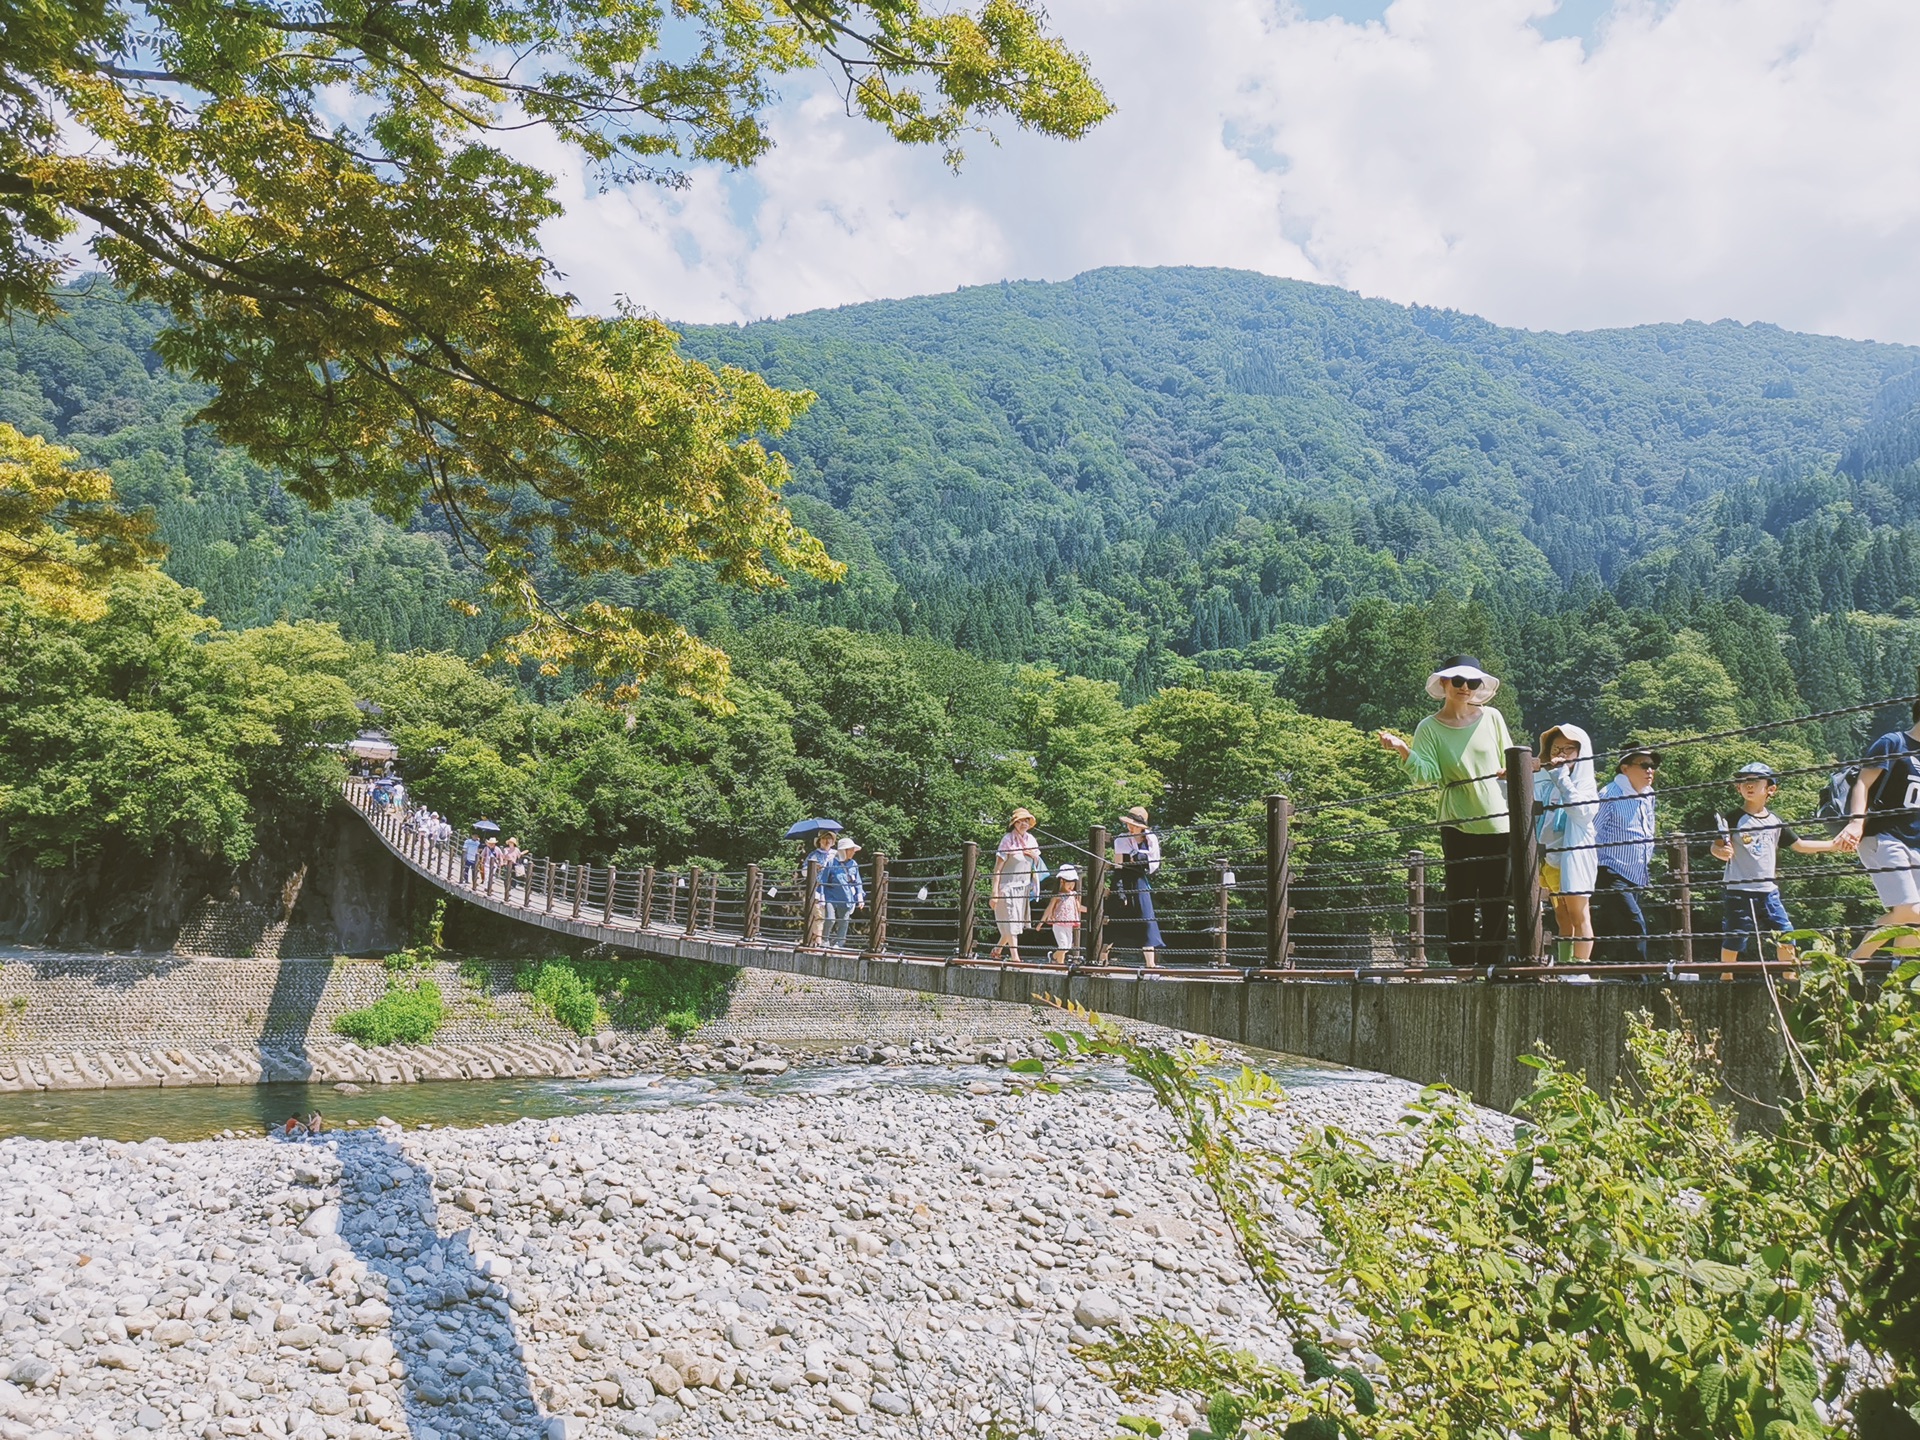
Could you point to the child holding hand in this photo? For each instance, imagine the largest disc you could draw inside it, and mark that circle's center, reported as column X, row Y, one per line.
column 1063, row 914
column 1750, row 844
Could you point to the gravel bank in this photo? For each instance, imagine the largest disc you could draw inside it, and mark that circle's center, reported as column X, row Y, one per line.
column 894, row 1263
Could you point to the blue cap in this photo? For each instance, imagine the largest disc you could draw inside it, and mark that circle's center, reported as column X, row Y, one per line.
column 1755, row 767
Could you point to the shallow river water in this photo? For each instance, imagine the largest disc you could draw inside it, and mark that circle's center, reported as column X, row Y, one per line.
column 199, row 1112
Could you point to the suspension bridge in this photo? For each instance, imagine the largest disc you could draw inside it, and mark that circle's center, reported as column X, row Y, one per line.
column 1312, row 934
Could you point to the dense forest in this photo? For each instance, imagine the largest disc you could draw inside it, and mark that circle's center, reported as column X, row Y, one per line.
column 1145, row 536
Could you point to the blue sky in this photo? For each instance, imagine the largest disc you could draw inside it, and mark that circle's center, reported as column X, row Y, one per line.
column 1558, row 166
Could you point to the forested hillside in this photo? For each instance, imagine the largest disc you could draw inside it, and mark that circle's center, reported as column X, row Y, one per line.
column 1227, row 504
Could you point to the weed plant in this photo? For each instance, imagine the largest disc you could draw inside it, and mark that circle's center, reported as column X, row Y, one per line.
column 1630, row 1268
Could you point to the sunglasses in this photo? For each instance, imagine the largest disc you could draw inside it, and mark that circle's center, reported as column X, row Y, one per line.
column 1642, row 765
column 1464, row 682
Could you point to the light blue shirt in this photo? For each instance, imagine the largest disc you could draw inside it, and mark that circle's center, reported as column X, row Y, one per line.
column 1624, row 831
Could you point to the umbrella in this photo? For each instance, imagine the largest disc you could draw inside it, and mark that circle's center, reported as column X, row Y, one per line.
column 809, row 827
column 486, row 827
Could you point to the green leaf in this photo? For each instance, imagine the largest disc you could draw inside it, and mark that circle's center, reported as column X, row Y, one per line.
column 1029, row 1066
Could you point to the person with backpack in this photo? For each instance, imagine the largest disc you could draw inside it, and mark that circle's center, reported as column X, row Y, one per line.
column 1883, row 809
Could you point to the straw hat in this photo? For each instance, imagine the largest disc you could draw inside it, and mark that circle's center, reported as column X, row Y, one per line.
column 1138, row 815
column 1021, row 814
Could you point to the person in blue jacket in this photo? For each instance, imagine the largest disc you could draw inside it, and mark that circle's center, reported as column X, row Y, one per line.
column 1565, row 801
column 842, row 891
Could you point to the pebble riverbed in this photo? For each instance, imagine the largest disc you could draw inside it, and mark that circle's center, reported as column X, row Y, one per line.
column 895, row 1262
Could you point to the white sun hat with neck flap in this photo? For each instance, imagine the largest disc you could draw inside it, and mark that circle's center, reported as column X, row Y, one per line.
column 1464, row 666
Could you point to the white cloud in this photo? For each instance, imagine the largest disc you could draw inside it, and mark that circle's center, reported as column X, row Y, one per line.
column 1695, row 159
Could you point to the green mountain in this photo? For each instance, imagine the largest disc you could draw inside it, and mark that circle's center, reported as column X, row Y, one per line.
column 1141, row 473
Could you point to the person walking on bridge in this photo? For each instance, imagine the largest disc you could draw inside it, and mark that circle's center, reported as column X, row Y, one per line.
column 1884, row 822
column 1016, row 866
column 1462, row 747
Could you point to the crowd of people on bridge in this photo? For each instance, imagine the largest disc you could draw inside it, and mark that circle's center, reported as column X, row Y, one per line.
column 1596, row 843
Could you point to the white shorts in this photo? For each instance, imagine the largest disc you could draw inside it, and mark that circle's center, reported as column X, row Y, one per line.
column 1895, row 868
column 1064, row 937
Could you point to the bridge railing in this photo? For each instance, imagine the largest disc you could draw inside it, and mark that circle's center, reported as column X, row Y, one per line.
column 1350, row 887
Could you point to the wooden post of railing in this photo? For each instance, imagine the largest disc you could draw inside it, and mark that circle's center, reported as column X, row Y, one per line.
column 713, row 904
column 1417, row 908
column 1220, row 912
column 1529, row 943
column 877, row 908
column 750, row 920
column 1093, row 927
column 1683, row 897
column 1279, row 881
column 643, row 908
column 693, row 898
column 612, row 875
column 582, row 874
column 546, row 885
column 810, row 917
column 969, row 883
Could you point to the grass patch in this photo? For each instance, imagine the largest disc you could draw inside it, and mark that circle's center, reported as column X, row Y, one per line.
column 476, row 974
column 405, row 1015
column 679, row 994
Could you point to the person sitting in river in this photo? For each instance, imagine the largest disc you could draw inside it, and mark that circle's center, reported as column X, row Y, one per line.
column 294, row 1129
column 315, row 1124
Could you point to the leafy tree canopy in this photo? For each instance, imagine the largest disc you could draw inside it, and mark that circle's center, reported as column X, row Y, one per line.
column 362, row 285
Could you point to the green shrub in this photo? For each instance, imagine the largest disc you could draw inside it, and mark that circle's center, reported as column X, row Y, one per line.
column 680, row 1022
column 559, row 991
column 638, row 993
column 475, row 974
column 403, row 1016
column 404, row 962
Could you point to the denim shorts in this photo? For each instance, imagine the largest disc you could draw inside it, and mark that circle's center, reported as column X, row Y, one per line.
column 1749, row 911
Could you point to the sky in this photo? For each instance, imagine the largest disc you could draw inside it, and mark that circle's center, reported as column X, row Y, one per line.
column 1552, row 164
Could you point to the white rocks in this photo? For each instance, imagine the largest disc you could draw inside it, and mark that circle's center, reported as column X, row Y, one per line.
column 875, row 1260
column 1097, row 1310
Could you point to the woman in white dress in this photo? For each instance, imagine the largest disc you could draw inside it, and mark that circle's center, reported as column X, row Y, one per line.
column 1016, row 866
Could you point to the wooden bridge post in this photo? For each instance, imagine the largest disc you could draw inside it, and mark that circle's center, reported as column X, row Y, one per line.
column 969, row 883
column 1417, row 908
column 693, row 898
column 877, row 911
column 546, row 884
column 607, row 915
column 1682, row 896
column 643, row 908
column 750, row 916
column 1093, row 927
column 1279, row 881
column 582, row 875
column 1529, row 943
column 1220, row 912
column 812, row 922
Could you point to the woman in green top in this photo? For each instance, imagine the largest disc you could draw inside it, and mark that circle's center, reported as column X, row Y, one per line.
column 1462, row 747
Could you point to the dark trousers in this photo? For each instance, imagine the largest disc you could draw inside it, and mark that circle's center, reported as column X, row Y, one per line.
column 1619, row 920
column 1476, row 896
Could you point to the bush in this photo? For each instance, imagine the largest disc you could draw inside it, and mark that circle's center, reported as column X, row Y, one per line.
column 403, row 1016
column 559, row 991
column 1631, row 1259
column 679, row 994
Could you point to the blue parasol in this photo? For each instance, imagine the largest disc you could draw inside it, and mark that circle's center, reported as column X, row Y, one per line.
column 809, row 827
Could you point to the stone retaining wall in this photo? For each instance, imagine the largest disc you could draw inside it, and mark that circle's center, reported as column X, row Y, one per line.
column 62, row 1002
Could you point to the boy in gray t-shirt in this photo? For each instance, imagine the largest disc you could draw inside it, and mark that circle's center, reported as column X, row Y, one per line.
column 1750, row 844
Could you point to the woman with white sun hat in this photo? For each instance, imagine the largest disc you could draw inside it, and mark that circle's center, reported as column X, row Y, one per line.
column 1462, row 747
